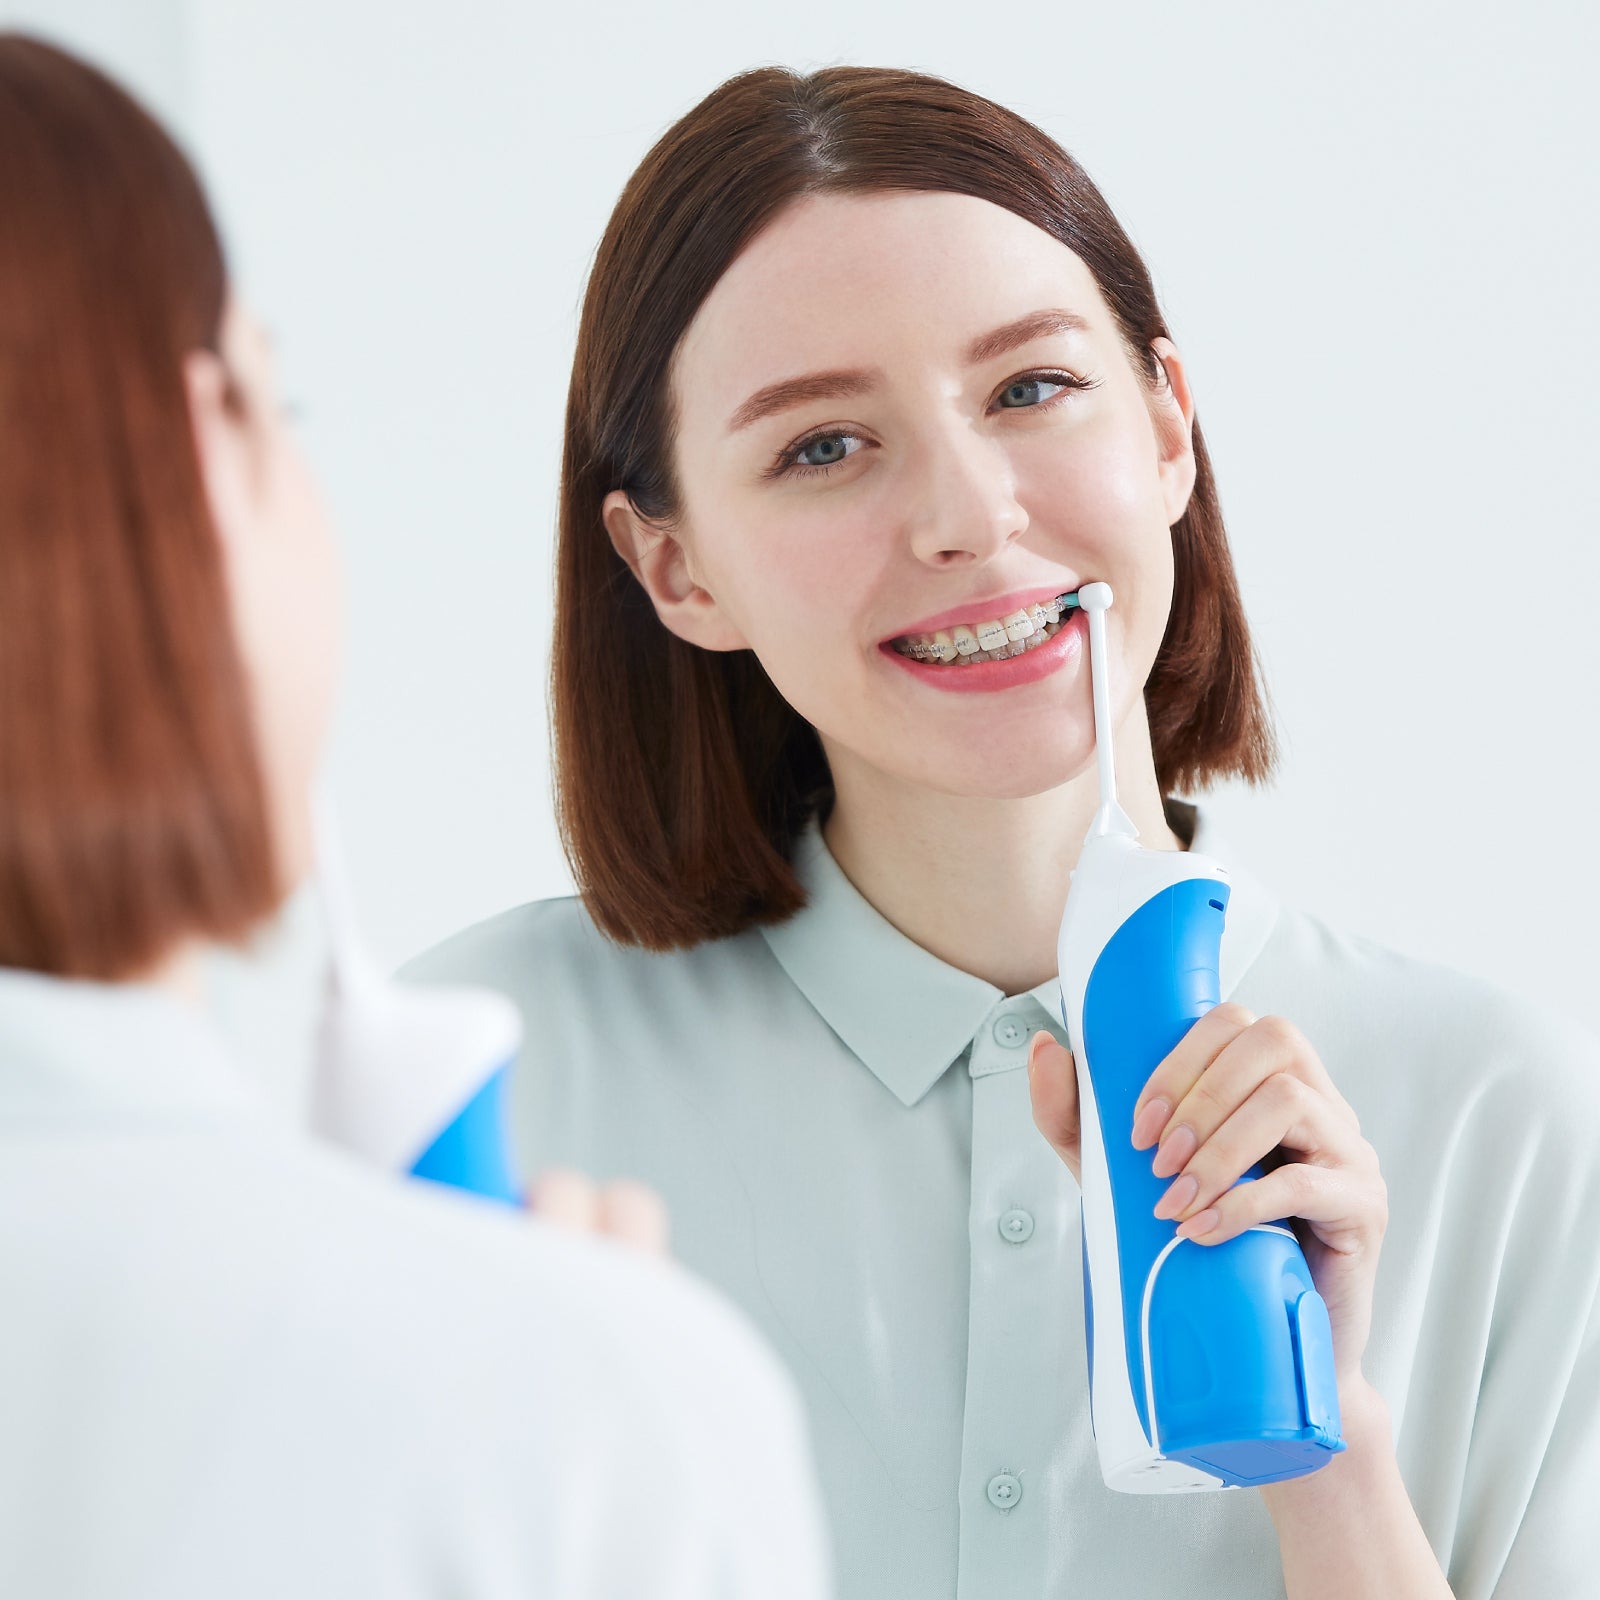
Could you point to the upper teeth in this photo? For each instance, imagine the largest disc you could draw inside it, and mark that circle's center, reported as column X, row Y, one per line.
column 1000, row 636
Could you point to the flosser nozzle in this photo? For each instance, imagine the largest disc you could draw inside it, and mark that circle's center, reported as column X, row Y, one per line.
column 1095, row 599
column 412, row 1077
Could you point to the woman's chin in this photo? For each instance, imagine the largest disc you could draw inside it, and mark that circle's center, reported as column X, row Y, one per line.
column 992, row 772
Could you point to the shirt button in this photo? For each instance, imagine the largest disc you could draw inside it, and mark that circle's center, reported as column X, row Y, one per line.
column 1004, row 1490
column 1011, row 1031
column 1016, row 1225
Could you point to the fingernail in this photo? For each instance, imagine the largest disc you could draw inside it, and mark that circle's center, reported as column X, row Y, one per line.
column 1180, row 1193
column 1176, row 1148
column 1195, row 1226
column 1149, row 1123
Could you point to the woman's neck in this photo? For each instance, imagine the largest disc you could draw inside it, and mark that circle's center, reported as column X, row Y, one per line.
column 981, row 883
column 179, row 973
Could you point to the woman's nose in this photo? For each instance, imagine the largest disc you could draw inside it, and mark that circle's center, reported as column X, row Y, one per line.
column 966, row 506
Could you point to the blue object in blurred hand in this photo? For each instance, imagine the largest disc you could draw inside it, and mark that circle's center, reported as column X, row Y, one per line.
column 412, row 1077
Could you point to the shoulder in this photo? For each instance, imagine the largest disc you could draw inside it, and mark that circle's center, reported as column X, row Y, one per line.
column 378, row 1359
column 550, row 957
column 1380, row 989
column 1410, row 1026
column 470, row 1279
column 563, row 1369
column 551, row 927
column 457, row 1348
column 349, row 1292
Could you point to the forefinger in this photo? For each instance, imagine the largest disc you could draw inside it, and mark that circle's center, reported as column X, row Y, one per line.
column 1184, row 1066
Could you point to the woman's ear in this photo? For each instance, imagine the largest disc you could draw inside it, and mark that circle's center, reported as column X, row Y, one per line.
column 662, row 564
column 1173, row 408
column 226, row 467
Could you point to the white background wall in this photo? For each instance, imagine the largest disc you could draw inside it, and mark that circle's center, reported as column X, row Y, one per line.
column 1374, row 230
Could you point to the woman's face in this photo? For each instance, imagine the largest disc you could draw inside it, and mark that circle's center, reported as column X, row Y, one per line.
column 947, row 479
column 283, row 575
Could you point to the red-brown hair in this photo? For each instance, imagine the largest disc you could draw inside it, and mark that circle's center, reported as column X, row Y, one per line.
column 133, row 813
column 682, row 775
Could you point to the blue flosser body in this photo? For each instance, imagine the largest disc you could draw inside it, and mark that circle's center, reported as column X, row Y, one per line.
column 1210, row 1366
column 412, row 1077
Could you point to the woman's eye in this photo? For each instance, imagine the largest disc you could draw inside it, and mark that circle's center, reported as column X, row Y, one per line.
column 1023, row 391
column 829, row 447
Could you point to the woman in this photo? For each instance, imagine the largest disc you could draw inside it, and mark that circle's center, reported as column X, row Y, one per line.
column 235, row 1362
column 866, row 372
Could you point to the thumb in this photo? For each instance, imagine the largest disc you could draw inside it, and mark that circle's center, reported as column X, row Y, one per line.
column 1053, row 1088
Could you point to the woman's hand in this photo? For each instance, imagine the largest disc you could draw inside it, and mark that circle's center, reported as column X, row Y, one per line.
column 631, row 1212
column 1235, row 1091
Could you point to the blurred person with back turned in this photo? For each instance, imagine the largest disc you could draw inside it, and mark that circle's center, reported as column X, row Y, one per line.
column 234, row 1361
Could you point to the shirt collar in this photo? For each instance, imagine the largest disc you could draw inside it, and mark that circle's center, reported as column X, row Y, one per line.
column 72, row 1046
column 907, row 1014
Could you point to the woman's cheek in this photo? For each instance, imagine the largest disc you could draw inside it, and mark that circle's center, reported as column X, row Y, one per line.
column 1093, row 487
column 822, row 571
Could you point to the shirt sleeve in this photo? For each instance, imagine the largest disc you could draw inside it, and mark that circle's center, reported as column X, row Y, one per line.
column 1554, row 1551
column 1530, row 1490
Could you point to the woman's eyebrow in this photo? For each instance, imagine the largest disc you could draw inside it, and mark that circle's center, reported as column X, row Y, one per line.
column 1035, row 325
column 843, row 382
column 836, row 385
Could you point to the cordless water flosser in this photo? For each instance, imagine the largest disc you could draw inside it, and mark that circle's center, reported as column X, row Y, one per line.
column 1210, row 1366
column 413, row 1078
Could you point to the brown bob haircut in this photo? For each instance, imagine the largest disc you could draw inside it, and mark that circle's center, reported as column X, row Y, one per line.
column 133, row 814
column 682, row 775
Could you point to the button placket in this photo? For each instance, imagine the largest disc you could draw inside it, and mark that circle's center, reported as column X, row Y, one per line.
column 1021, row 1419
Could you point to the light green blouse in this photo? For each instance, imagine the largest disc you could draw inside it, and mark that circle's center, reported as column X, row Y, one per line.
column 840, row 1124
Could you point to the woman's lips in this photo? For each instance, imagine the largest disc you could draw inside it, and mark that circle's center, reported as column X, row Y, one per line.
column 985, row 676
